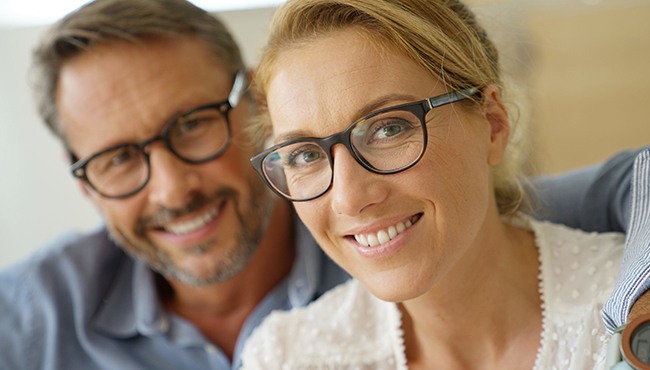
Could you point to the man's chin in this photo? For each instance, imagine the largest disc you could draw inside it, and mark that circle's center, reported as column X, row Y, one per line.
column 204, row 270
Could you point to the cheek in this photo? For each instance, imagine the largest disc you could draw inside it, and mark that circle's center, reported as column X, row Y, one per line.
column 455, row 173
column 122, row 214
column 315, row 215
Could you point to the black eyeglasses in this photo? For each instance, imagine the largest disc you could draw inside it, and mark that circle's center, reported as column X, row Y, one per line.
column 386, row 141
column 197, row 136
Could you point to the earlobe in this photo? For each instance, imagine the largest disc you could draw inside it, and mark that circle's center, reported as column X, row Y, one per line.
column 497, row 116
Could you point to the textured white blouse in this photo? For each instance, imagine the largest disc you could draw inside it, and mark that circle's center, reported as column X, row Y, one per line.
column 349, row 328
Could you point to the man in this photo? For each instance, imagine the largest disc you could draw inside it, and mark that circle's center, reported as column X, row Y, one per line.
column 148, row 98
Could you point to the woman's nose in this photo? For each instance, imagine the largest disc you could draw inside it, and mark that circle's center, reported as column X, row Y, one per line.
column 353, row 187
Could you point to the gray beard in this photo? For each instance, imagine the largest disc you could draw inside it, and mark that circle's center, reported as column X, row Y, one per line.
column 253, row 223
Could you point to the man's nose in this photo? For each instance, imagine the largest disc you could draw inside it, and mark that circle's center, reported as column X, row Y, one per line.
column 173, row 182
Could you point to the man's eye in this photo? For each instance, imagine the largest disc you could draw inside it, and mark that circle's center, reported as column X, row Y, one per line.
column 118, row 160
column 122, row 157
column 187, row 126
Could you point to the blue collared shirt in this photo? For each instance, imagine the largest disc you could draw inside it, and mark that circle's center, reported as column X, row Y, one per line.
column 84, row 304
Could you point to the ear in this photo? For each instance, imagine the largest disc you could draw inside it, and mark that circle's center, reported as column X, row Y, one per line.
column 497, row 116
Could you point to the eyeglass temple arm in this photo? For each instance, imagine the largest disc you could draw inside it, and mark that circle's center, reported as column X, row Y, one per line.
column 238, row 88
column 452, row 97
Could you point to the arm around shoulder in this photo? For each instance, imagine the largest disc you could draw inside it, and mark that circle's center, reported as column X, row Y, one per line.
column 634, row 278
column 595, row 198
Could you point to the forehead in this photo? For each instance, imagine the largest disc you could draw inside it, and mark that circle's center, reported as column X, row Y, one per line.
column 323, row 86
column 142, row 84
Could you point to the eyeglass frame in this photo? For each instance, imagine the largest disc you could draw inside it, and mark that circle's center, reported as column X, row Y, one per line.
column 78, row 167
column 343, row 137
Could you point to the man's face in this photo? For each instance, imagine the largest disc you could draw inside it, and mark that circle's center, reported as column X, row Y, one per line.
column 197, row 223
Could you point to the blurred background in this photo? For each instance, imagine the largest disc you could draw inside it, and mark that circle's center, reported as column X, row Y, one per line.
column 579, row 69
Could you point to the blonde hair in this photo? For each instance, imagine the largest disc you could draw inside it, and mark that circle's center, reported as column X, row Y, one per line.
column 442, row 36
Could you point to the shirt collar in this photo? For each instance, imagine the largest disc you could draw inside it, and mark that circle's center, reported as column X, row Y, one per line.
column 304, row 278
column 131, row 305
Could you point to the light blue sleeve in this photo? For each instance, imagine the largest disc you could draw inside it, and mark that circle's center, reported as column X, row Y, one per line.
column 595, row 198
column 634, row 276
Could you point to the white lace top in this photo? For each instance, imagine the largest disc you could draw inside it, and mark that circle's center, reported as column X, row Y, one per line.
column 348, row 328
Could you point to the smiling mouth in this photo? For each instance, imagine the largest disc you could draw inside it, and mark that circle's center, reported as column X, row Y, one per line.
column 383, row 236
column 194, row 224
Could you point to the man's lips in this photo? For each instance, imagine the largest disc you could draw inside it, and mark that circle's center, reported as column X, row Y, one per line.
column 384, row 235
column 193, row 224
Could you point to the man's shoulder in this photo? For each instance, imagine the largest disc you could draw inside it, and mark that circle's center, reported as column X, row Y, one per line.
column 52, row 293
column 70, row 264
column 69, row 253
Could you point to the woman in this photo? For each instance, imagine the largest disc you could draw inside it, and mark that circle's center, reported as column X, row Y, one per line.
column 419, row 202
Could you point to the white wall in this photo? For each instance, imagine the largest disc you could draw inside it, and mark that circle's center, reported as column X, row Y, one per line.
column 38, row 198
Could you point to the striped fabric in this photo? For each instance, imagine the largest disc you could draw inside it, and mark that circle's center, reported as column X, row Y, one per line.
column 634, row 278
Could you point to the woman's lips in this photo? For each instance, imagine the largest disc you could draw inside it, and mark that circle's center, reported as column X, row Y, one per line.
column 383, row 236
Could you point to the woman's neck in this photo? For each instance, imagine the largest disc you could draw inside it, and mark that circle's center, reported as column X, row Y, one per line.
column 486, row 313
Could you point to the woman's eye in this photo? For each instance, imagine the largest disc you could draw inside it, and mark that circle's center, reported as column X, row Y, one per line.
column 388, row 130
column 304, row 156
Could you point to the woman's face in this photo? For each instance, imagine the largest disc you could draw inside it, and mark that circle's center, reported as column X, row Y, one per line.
column 447, row 199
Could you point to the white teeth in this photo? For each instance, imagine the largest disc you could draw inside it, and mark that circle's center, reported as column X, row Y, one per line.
column 372, row 240
column 382, row 236
column 194, row 224
column 392, row 232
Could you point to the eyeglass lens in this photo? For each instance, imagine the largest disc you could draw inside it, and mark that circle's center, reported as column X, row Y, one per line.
column 385, row 142
column 195, row 137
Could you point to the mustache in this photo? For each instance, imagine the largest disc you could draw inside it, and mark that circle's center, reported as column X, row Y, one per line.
column 163, row 215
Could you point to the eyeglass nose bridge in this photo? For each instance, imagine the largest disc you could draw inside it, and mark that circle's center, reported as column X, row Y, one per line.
column 144, row 146
column 343, row 138
column 164, row 137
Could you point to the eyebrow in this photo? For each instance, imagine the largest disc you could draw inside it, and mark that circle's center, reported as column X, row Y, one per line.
column 386, row 101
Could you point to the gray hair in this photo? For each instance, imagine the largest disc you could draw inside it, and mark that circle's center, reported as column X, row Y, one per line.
column 103, row 21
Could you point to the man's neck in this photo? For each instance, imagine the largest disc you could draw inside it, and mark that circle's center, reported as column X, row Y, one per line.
column 220, row 310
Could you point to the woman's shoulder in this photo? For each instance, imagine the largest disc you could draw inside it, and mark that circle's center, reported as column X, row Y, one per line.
column 344, row 328
column 578, row 270
column 577, row 267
